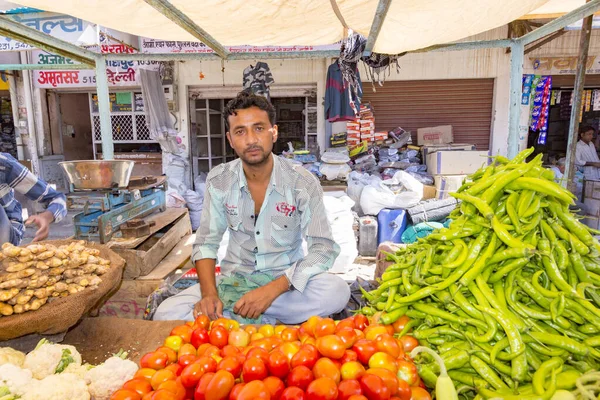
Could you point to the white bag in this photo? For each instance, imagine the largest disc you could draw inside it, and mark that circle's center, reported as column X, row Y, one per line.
column 356, row 184
column 378, row 196
column 335, row 171
column 174, row 199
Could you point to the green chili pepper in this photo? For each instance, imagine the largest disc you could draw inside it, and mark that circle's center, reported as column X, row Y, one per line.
column 487, row 373
column 539, row 377
column 542, row 186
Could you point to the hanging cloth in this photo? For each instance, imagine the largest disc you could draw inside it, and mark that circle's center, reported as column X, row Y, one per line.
column 378, row 64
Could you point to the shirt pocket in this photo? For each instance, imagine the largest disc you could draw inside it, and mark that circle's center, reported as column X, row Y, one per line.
column 234, row 222
column 285, row 231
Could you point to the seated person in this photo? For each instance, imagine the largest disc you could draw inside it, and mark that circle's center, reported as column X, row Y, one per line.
column 268, row 207
column 559, row 169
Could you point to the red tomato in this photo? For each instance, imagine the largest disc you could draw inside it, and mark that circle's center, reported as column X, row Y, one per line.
column 372, row 331
column 202, row 321
column 232, row 365
column 200, row 393
column 162, row 376
column 349, row 355
column 278, row 364
column 345, row 323
column 218, row 336
column 408, row 343
column 300, row 377
column 175, row 388
column 331, row 346
column 187, row 349
column 390, row 380
column 148, row 396
column 212, row 351
column 139, row 385
column 235, row 391
column 255, row 390
column 304, row 357
column 230, row 351
column 404, row 392
column 124, row 394
column 163, row 394
column 324, row 327
column 418, row 393
column 239, row 337
column 310, row 325
column 360, row 322
column 325, row 368
column 293, row 393
column 186, row 360
column 254, row 369
column 407, row 371
column 258, row 352
column 183, row 331
column 156, row 360
column 190, row 375
column 171, row 354
column 357, row 397
column 364, row 350
column 352, row 370
column 400, row 323
column 349, row 388
column 289, row 334
column 348, row 336
column 383, row 360
column 322, row 389
column 220, row 386
column 388, row 344
column 145, row 374
column 174, row 368
column 207, row 363
column 202, row 348
column 374, row 388
column 275, row 387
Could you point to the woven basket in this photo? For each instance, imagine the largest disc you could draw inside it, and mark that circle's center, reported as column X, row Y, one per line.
column 64, row 312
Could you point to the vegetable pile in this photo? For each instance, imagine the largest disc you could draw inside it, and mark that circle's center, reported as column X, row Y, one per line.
column 55, row 372
column 33, row 275
column 322, row 359
column 507, row 293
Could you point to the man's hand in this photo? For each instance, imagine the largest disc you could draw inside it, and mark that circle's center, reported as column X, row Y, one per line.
column 210, row 306
column 255, row 302
column 596, row 164
column 42, row 221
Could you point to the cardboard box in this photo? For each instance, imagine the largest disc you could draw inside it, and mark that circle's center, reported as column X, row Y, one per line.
column 459, row 162
column 429, row 192
column 446, row 184
column 435, row 135
column 591, row 190
column 432, row 148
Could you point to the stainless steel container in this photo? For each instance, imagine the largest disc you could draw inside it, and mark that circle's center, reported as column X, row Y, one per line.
column 98, row 174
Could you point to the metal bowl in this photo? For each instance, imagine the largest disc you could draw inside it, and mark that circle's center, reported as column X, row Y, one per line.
column 98, row 174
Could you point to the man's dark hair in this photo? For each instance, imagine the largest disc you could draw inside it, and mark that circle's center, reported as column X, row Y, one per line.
column 585, row 128
column 246, row 100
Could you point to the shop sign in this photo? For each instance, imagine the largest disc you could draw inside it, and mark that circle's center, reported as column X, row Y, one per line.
column 60, row 26
column 566, row 65
column 120, row 73
column 168, row 46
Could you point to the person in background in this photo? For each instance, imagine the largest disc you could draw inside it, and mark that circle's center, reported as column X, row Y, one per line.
column 14, row 176
column 559, row 169
column 268, row 207
column 586, row 155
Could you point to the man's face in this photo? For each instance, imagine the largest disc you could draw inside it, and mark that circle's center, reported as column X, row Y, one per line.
column 587, row 136
column 251, row 135
column 561, row 168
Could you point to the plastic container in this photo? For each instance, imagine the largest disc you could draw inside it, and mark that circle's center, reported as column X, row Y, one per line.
column 367, row 239
column 392, row 224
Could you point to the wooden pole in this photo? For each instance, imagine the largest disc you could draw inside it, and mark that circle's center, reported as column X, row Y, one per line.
column 584, row 45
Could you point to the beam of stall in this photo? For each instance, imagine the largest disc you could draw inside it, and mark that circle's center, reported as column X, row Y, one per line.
column 41, row 67
column 104, row 109
column 516, row 91
column 378, row 19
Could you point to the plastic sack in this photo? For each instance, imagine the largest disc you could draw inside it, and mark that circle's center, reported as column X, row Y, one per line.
column 176, row 171
column 424, row 178
column 356, row 183
column 194, row 203
column 424, row 229
column 200, row 183
column 332, row 157
column 174, row 199
column 402, row 191
column 335, row 171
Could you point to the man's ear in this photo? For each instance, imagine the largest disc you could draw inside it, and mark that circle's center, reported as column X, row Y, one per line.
column 275, row 132
column 229, row 139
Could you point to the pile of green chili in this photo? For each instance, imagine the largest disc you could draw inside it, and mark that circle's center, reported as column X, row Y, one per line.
column 507, row 294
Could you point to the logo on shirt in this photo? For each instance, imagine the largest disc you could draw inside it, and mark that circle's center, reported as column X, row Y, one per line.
column 231, row 210
column 285, row 208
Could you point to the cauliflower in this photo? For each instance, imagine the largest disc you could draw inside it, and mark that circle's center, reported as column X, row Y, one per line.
column 107, row 378
column 15, row 379
column 58, row 387
column 12, row 356
column 49, row 358
column 79, row 370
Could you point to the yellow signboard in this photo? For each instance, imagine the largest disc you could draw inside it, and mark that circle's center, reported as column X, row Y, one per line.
column 3, row 81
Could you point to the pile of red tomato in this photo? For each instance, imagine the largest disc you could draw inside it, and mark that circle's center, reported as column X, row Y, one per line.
column 322, row 359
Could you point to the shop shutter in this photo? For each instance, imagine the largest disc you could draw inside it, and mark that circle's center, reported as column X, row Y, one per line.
column 466, row 104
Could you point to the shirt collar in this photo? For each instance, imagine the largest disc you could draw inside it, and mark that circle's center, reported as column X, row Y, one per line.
column 276, row 180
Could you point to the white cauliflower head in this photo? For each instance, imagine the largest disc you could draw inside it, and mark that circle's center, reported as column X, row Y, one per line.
column 79, row 370
column 107, row 378
column 9, row 355
column 58, row 387
column 15, row 378
column 49, row 358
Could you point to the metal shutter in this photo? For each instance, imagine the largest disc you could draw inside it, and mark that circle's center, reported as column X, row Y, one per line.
column 466, row 104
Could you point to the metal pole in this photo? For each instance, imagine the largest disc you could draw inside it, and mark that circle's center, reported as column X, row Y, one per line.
column 584, row 45
column 104, row 109
column 517, row 50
